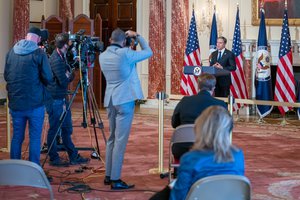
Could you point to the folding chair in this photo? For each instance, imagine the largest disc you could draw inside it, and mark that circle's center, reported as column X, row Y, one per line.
column 221, row 187
column 23, row 173
column 182, row 133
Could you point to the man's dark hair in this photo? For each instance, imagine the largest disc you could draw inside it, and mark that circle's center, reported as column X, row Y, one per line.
column 223, row 38
column 118, row 35
column 61, row 39
column 206, row 82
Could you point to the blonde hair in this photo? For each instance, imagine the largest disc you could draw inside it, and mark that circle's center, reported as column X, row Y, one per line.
column 212, row 130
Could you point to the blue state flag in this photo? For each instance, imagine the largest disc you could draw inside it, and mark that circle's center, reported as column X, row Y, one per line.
column 213, row 34
column 263, row 83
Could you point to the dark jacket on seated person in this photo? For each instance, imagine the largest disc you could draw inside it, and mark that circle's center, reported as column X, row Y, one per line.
column 187, row 111
column 196, row 164
column 190, row 107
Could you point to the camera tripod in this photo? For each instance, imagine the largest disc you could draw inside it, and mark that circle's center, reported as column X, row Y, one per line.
column 89, row 104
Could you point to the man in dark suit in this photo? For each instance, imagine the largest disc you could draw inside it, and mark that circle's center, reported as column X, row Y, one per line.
column 223, row 59
column 190, row 107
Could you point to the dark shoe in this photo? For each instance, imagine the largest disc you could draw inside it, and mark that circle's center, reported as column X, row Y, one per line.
column 59, row 163
column 107, row 180
column 50, row 178
column 79, row 160
column 44, row 148
column 120, row 185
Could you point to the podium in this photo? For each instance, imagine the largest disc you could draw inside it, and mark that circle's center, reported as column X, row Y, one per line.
column 197, row 70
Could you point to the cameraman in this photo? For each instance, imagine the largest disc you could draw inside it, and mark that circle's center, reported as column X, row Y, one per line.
column 27, row 73
column 118, row 64
column 62, row 75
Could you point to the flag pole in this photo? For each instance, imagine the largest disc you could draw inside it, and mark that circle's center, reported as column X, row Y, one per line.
column 284, row 121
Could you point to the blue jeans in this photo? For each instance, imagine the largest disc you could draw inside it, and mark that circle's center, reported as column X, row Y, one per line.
column 35, row 119
column 55, row 111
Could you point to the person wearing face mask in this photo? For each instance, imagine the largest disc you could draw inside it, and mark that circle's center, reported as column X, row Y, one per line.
column 62, row 75
column 27, row 74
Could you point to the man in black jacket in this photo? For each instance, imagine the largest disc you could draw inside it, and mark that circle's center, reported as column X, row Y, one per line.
column 223, row 59
column 27, row 73
column 190, row 107
column 62, row 75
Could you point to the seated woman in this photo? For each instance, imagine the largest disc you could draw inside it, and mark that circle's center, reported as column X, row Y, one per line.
column 211, row 154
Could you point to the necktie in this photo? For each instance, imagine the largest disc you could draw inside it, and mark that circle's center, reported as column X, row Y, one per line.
column 219, row 56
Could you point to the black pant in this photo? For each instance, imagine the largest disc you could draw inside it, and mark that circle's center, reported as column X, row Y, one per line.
column 178, row 149
column 164, row 194
column 222, row 91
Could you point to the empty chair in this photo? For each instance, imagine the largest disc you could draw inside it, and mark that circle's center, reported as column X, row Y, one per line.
column 221, row 187
column 23, row 173
column 182, row 133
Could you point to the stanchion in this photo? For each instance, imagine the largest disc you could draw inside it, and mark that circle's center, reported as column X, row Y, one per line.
column 161, row 96
column 7, row 149
column 230, row 108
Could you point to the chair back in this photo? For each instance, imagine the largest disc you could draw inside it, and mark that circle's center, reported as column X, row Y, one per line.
column 183, row 133
column 23, row 173
column 221, row 187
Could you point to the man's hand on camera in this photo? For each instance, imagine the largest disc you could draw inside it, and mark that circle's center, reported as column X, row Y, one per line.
column 131, row 33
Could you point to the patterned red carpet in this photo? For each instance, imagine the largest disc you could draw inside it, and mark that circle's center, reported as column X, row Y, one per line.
column 271, row 153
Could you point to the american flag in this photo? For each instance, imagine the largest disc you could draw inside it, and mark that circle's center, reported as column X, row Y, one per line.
column 238, row 87
column 285, row 81
column 188, row 84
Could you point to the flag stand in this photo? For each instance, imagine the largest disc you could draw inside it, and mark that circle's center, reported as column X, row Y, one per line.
column 284, row 121
column 261, row 121
column 238, row 119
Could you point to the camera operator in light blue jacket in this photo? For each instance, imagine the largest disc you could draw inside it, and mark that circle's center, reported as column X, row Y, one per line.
column 118, row 64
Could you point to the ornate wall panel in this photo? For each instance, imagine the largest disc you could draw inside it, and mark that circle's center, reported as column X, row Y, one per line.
column 66, row 11
column 20, row 19
column 157, row 40
column 180, row 22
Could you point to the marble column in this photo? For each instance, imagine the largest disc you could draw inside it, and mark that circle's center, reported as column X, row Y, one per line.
column 179, row 29
column 66, row 11
column 21, row 19
column 157, row 41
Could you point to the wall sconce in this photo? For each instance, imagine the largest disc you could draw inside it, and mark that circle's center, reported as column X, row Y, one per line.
column 204, row 18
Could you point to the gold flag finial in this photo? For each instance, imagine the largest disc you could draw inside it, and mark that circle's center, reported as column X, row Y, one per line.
column 262, row 3
column 215, row 6
column 285, row 4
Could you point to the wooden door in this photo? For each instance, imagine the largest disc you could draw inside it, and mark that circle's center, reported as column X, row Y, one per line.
column 114, row 13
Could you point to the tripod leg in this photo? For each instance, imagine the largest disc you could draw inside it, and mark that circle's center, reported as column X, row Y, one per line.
column 93, row 121
column 96, row 109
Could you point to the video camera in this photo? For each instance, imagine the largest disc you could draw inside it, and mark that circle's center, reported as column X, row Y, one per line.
column 131, row 42
column 83, row 48
column 44, row 44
